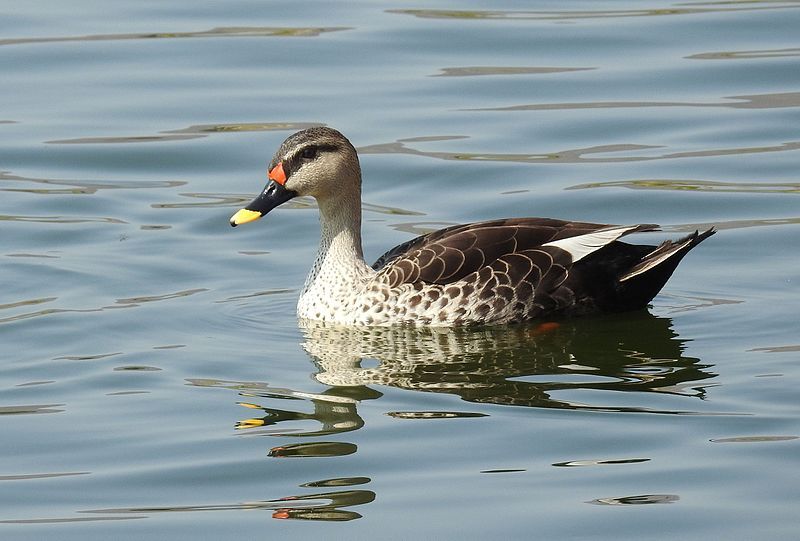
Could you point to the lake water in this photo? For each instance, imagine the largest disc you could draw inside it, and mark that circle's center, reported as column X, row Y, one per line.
column 154, row 382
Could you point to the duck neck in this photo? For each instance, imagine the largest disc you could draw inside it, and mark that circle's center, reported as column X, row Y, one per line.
column 339, row 270
column 340, row 235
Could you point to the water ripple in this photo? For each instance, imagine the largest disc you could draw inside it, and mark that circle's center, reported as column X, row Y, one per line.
column 155, row 298
column 87, row 357
column 778, row 100
column 746, row 55
column 212, row 200
column 604, row 462
column 327, row 506
column 593, row 154
column 754, row 439
column 263, row 293
column 434, row 414
column 695, row 185
column 27, row 302
column 65, row 520
column 75, row 187
column 674, row 9
column 778, row 349
column 130, row 302
column 735, row 224
column 644, row 499
column 30, row 409
column 471, row 71
column 314, row 449
column 42, row 256
column 60, row 219
column 192, row 132
column 220, row 32
column 29, row 476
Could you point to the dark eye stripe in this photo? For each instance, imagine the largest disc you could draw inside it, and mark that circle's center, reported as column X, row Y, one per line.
column 318, row 149
column 308, row 152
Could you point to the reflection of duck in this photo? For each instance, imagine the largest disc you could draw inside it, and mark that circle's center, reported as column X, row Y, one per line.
column 331, row 505
column 518, row 365
column 490, row 272
column 547, row 366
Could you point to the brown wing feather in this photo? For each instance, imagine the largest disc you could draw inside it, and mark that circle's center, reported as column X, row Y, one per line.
column 450, row 254
column 537, row 230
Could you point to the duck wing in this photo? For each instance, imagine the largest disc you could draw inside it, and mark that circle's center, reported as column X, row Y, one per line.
column 517, row 247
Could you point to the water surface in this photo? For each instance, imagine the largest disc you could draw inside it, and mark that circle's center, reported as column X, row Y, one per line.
column 155, row 382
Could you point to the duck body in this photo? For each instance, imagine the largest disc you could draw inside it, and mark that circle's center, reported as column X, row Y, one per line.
column 492, row 272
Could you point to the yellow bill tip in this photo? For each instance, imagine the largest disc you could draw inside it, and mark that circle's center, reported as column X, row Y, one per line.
column 243, row 216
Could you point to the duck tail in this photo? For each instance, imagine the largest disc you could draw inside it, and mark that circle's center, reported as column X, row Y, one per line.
column 639, row 284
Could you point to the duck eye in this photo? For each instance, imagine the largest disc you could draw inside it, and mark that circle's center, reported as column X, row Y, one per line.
column 309, row 153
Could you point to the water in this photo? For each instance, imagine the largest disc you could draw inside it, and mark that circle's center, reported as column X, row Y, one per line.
column 154, row 382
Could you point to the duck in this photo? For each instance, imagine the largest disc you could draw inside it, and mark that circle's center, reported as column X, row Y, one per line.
column 492, row 272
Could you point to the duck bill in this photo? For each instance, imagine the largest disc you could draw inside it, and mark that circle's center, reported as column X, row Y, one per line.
column 273, row 195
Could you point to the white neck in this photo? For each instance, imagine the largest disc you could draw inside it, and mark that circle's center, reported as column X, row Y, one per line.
column 339, row 271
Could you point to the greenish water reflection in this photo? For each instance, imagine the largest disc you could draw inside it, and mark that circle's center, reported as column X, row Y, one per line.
column 525, row 365
column 519, row 365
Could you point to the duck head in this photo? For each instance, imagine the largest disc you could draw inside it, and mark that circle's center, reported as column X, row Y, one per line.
column 316, row 162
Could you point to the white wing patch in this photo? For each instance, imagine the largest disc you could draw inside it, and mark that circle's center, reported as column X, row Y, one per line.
column 583, row 245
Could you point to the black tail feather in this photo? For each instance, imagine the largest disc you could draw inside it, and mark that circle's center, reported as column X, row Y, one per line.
column 641, row 284
column 623, row 276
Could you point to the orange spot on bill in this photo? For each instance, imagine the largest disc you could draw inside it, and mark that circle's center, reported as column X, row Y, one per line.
column 278, row 174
